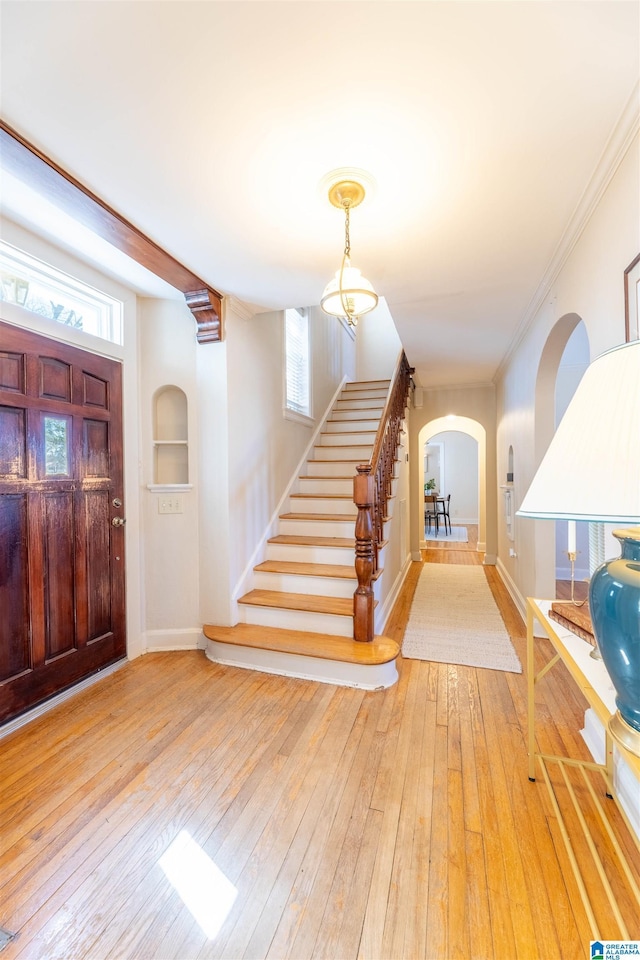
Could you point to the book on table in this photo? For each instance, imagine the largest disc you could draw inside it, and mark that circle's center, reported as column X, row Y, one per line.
column 575, row 617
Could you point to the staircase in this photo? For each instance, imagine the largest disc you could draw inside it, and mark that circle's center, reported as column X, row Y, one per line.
column 298, row 618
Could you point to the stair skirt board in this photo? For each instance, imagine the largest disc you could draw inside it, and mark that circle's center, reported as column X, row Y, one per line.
column 364, row 676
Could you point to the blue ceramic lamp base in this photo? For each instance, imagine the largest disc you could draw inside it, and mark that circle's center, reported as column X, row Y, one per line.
column 614, row 601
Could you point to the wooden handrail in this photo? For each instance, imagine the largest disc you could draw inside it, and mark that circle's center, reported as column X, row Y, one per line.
column 372, row 488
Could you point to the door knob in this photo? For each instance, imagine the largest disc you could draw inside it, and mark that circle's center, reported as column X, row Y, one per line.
column 118, row 521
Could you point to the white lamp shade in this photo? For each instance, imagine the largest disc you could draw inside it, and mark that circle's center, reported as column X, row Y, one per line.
column 357, row 294
column 591, row 470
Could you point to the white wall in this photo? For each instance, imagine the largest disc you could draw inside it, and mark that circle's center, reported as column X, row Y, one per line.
column 589, row 287
column 377, row 344
column 573, row 364
column 265, row 447
column 168, row 357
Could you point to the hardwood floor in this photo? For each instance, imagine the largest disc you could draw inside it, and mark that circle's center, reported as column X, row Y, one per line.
column 351, row 824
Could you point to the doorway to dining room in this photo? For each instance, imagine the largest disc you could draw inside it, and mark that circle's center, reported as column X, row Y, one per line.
column 453, row 452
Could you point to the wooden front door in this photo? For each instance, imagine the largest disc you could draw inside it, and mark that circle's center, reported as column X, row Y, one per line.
column 61, row 556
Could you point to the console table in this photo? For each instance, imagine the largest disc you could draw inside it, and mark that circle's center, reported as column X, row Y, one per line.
column 593, row 681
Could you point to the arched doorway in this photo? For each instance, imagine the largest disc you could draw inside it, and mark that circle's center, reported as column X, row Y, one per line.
column 434, row 434
column 564, row 359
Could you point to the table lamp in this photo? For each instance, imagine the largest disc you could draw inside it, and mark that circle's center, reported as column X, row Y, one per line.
column 591, row 471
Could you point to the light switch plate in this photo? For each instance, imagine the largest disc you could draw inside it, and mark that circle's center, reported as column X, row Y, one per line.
column 169, row 504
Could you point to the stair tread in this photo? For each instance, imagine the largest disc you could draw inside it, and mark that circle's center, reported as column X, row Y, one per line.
column 314, row 541
column 335, row 517
column 333, row 570
column 323, row 645
column 309, row 603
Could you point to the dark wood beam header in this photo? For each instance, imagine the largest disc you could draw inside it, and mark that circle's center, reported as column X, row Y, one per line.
column 31, row 166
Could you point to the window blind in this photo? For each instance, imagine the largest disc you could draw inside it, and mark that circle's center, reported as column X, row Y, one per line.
column 297, row 361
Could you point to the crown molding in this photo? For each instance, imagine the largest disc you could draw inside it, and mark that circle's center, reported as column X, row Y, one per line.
column 614, row 152
column 240, row 309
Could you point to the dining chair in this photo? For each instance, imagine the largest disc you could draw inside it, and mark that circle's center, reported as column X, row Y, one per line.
column 431, row 512
column 442, row 510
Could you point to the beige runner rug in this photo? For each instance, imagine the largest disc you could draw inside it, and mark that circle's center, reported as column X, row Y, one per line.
column 454, row 619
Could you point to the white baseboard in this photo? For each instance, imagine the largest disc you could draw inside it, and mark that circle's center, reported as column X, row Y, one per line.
column 189, row 638
column 514, row 593
column 624, row 780
column 384, row 609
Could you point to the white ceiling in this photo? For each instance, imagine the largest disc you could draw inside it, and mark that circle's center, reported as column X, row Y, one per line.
column 210, row 126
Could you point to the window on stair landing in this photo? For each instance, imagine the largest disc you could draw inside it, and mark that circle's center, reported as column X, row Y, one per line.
column 297, row 365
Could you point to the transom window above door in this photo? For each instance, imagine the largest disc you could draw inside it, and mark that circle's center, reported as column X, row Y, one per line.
column 47, row 292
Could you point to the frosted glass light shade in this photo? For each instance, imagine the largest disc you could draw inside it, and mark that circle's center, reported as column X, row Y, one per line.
column 358, row 295
column 591, row 470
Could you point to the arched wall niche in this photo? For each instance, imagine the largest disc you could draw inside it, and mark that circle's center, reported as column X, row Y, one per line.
column 473, row 429
column 170, row 436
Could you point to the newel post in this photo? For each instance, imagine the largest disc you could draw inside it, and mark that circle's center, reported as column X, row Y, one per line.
column 363, row 495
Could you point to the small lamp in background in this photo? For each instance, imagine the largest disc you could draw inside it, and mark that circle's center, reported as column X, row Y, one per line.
column 591, row 471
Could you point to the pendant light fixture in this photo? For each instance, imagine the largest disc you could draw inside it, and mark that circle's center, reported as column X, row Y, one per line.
column 348, row 294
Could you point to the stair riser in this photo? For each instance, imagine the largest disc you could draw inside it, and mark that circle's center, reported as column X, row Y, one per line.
column 328, row 485
column 317, row 528
column 359, row 454
column 322, row 505
column 349, row 439
column 366, row 385
column 306, row 553
column 326, row 468
column 358, row 413
column 318, row 586
column 296, row 620
column 346, row 426
column 358, row 403
column 378, row 393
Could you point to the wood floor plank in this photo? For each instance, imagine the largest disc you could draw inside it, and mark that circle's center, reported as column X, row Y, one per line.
column 398, row 823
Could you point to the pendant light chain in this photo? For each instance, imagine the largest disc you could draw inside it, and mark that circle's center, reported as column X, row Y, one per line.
column 347, row 240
